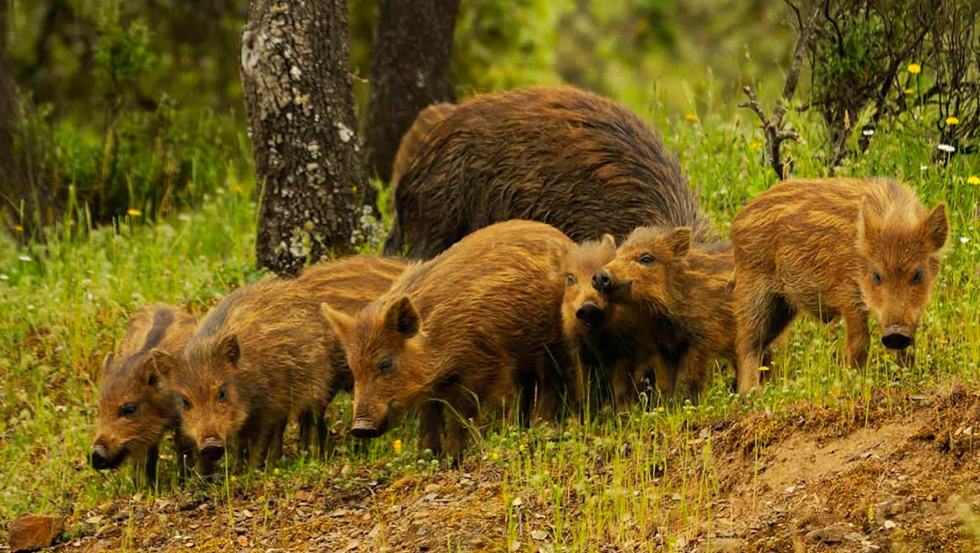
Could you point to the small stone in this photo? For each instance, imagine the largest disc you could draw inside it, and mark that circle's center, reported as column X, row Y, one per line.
column 516, row 546
column 830, row 534
column 889, row 525
column 432, row 488
column 517, row 502
column 30, row 532
column 539, row 535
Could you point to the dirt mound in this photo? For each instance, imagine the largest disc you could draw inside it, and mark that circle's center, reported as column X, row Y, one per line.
column 899, row 474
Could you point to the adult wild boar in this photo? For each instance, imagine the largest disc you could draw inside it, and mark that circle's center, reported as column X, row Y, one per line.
column 574, row 160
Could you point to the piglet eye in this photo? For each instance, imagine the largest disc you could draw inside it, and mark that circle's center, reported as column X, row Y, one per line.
column 569, row 279
column 128, row 409
column 386, row 365
column 185, row 403
column 917, row 276
column 646, row 259
column 876, row 277
column 223, row 394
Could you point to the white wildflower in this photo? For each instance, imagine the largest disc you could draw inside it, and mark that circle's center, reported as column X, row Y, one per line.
column 946, row 148
column 868, row 132
column 964, row 239
column 25, row 258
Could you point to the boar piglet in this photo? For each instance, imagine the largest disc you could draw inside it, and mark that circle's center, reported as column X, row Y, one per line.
column 136, row 402
column 460, row 333
column 846, row 248
column 594, row 343
column 675, row 299
column 265, row 354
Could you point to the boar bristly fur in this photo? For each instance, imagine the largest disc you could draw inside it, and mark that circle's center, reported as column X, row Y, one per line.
column 846, row 248
column 265, row 353
column 562, row 156
column 136, row 403
column 676, row 300
column 412, row 141
column 458, row 333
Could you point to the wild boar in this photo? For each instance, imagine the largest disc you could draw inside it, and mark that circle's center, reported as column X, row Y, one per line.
column 459, row 333
column 834, row 248
column 136, row 403
column 676, row 301
column 593, row 344
column 569, row 158
column 415, row 137
column 265, row 353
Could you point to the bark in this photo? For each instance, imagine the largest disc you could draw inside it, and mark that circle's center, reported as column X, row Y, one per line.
column 298, row 97
column 409, row 71
column 13, row 185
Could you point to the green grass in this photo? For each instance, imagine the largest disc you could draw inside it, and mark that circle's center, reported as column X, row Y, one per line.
column 64, row 303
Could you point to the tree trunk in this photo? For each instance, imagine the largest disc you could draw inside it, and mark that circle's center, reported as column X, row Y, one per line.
column 409, row 70
column 297, row 85
column 12, row 183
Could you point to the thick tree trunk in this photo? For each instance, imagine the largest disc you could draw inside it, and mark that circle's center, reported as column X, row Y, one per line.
column 12, row 183
column 409, row 70
column 297, row 85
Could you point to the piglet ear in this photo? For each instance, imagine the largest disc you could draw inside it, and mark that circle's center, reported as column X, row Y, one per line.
column 337, row 321
column 609, row 242
column 936, row 227
column 868, row 226
column 228, row 349
column 679, row 241
column 402, row 318
column 157, row 367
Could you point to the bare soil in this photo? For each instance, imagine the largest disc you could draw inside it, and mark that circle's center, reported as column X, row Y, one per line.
column 895, row 475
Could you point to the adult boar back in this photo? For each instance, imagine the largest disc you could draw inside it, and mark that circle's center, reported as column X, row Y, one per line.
column 581, row 163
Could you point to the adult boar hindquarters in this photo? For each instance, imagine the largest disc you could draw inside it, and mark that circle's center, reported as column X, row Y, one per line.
column 459, row 333
column 846, row 248
column 564, row 157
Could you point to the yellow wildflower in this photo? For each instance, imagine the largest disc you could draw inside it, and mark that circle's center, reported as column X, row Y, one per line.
column 19, row 228
column 915, row 68
column 234, row 479
column 275, row 472
column 973, row 179
column 133, row 212
column 754, row 145
column 952, row 120
column 691, row 118
column 773, row 362
column 943, row 341
column 495, row 456
column 522, row 448
column 763, row 368
column 398, row 446
column 238, row 189
column 908, row 92
column 661, row 409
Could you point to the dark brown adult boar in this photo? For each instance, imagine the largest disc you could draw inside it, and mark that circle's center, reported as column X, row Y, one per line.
column 265, row 354
column 415, row 137
column 845, row 248
column 460, row 333
column 136, row 403
column 676, row 301
column 577, row 161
